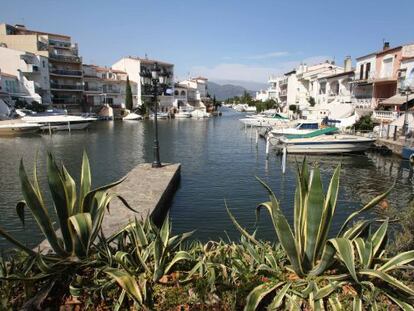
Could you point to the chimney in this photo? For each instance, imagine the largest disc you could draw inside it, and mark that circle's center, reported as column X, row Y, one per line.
column 20, row 26
column 386, row 46
column 347, row 64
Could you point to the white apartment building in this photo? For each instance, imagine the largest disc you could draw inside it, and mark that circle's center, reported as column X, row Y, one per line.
column 307, row 81
column 262, row 95
column 139, row 71
column 362, row 85
column 196, row 91
column 105, row 85
column 31, row 72
column 65, row 66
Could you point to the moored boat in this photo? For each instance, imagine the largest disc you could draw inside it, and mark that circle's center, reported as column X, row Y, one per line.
column 132, row 116
column 60, row 122
column 16, row 127
column 325, row 144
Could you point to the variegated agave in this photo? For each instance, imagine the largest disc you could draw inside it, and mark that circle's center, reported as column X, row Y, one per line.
column 311, row 252
column 79, row 216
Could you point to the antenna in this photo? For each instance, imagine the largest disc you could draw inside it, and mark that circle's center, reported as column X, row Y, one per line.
column 146, row 56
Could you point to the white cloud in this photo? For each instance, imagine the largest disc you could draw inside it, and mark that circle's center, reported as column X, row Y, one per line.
column 234, row 71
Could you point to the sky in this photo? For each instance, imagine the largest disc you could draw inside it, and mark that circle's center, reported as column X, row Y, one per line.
column 221, row 39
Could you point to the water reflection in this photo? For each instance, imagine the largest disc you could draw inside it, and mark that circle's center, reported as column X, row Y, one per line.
column 219, row 161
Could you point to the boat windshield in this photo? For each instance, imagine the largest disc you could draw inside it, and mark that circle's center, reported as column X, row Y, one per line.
column 308, row 126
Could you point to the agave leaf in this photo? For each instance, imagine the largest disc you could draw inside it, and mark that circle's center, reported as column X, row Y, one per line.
column 397, row 261
column 127, row 282
column 70, row 187
column 165, row 231
column 388, row 279
column 367, row 207
column 12, row 240
column 378, row 238
column 345, row 251
column 357, row 304
column 89, row 197
column 335, row 303
column 179, row 256
column 356, row 230
column 240, row 228
column 258, row 293
column 85, row 182
column 328, row 211
column 36, row 205
column 280, row 296
column 403, row 305
column 120, row 300
column 327, row 290
column 20, row 210
column 81, row 229
column 60, row 197
column 365, row 251
column 314, row 203
column 283, row 231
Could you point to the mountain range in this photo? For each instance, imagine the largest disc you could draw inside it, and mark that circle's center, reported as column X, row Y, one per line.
column 224, row 89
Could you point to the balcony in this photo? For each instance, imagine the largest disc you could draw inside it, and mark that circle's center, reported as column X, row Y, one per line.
column 385, row 116
column 60, row 44
column 66, row 87
column 65, row 58
column 60, row 72
column 93, row 89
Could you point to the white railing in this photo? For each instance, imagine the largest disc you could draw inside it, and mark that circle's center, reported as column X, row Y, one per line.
column 363, row 103
column 385, row 115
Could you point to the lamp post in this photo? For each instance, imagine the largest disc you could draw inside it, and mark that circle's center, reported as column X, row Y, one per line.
column 157, row 76
column 405, row 90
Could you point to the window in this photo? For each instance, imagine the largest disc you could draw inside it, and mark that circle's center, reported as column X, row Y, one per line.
column 43, row 64
column 386, row 68
column 176, row 93
column 367, row 70
column 182, row 93
column 108, row 100
column 361, row 72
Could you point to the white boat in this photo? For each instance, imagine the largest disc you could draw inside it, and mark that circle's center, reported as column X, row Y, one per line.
column 303, row 127
column 132, row 116
column 182, row 114
column 199, row 114
column 276, row 119
column 60, row 122
column 160, row 115
column 326, row 144
column 250, row 109
column 17, row 127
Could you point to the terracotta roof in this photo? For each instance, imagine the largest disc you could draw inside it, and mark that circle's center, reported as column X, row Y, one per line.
column 150, row 61
column 407, row 58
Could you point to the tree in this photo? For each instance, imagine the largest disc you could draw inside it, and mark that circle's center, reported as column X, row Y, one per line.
column 246, row 98
column 312, row 101
column 128, row 95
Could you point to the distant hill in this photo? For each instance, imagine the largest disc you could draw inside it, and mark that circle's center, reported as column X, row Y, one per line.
column 225, row 91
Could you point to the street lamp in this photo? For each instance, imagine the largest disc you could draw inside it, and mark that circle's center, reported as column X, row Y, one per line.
column 157, row 76
column 405, row 90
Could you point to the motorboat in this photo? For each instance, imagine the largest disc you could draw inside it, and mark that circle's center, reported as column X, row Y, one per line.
column 106, row 113
column 182, row 114
column 250, row 109
column 160, row 115
column 276, row 119
column 199, row 114
column 59, row 122
column 132, row 116
column 16, row 127
column 324, row 142
column 303, row 127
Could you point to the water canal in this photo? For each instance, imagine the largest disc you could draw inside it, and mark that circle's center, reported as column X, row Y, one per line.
column 219, row 161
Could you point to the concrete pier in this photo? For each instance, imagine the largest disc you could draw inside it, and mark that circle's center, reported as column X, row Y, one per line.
column 395, row 146
column 147, row 190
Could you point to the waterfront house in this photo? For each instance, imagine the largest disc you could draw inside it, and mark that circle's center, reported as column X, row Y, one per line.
column 139, row 71
column 263, row 95
column 65, row 65
column 105, row 85
column 196, row 90
column 31, row 72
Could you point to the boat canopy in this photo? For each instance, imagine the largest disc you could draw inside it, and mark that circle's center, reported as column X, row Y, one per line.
column 323, row 131
column 279, row 116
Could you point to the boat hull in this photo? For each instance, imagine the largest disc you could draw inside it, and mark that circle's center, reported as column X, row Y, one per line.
column 65, row 127
column 327, row 146
column 17, row 131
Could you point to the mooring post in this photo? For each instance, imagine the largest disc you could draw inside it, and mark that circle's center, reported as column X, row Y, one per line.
column 284, row 155
column 50, row 130
column 257, row 137
column 69, row 126
column 267, row 146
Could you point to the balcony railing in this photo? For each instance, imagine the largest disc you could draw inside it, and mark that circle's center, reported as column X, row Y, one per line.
column 77, row 73
column 65, row 58
column 59, row 43
column 73, row 87
column 93, row 89
column 388, row 116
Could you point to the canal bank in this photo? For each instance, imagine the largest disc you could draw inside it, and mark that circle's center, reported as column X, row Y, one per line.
column 219, row 161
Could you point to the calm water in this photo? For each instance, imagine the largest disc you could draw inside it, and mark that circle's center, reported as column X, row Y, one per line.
column 219, row 162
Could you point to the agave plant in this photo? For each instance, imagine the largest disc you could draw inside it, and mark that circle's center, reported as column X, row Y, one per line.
column 79, row 215
column 144, row 255
column 308, row 248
